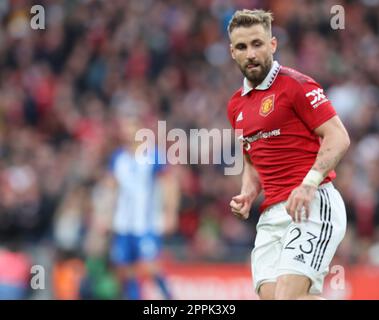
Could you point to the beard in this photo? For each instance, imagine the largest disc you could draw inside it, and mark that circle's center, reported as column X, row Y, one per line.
column 257, row 75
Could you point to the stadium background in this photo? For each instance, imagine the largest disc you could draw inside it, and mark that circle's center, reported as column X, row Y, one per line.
column 62, row 88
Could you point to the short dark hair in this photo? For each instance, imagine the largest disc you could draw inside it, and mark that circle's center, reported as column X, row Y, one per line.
column 247, row 18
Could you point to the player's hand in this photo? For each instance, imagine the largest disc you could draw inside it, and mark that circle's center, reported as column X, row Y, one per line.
column 300, row 201
column 241, row 205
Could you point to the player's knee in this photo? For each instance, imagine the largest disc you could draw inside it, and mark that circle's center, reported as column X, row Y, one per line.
column 267, row 291
column 310, row 297
column 291, row 287
column 285, row 294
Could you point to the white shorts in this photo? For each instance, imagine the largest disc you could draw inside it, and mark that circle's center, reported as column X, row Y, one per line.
column 306, row 248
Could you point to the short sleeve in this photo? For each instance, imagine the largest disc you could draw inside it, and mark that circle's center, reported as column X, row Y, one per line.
column 311, row 104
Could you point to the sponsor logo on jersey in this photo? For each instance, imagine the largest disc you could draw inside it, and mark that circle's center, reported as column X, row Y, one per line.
column 260, row 135
column 267, row 105
column 316, row 97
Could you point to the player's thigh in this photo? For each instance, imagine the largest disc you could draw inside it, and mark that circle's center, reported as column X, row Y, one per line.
column 149, row 247
column 309, row 246
column 149, row 250
column 292, row 286
column 266, row 254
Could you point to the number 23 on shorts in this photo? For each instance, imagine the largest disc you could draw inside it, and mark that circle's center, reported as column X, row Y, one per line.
column 306, row 245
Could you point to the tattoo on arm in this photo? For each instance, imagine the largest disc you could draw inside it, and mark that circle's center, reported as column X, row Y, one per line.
column 326, row 161
column 307, row 188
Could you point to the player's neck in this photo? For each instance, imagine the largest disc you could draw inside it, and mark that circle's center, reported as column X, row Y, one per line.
column 253, row 85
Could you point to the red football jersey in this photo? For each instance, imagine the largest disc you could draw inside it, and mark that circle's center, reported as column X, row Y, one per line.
column 278, row 118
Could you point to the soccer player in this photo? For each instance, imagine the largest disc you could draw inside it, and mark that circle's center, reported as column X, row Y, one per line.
column 146, row 208
column 292, row 141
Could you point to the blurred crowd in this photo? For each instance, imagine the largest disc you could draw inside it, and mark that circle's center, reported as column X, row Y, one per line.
column 63, row 88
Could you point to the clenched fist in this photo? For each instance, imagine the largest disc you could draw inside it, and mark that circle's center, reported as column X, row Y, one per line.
column 241, row 205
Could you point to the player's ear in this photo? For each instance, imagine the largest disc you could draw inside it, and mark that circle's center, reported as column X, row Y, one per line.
column 274, row 44
column 232, row 51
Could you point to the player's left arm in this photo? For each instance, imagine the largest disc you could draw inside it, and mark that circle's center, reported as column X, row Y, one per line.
column 316, row 111
column 335, row 142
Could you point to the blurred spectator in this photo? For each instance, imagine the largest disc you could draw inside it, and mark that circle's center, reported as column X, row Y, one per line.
column 14, row 273
column 67, row 275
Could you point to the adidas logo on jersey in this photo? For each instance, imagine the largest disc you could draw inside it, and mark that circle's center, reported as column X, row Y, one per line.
column 299, row 258
column 240, row 117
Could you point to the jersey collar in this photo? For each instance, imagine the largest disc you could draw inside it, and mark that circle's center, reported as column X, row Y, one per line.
column 266, row 83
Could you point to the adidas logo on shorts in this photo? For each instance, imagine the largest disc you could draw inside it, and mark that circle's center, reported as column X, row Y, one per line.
column 299, row 258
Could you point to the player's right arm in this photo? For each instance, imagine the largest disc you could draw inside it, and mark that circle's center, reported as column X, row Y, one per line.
column 251, row 187
column 110, row 181
column 171, row 199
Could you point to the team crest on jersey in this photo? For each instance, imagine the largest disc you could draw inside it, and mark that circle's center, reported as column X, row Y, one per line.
column 267, row 106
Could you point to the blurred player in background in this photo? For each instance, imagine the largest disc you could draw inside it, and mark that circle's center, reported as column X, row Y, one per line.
column 292, row 140
column 146, row 208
